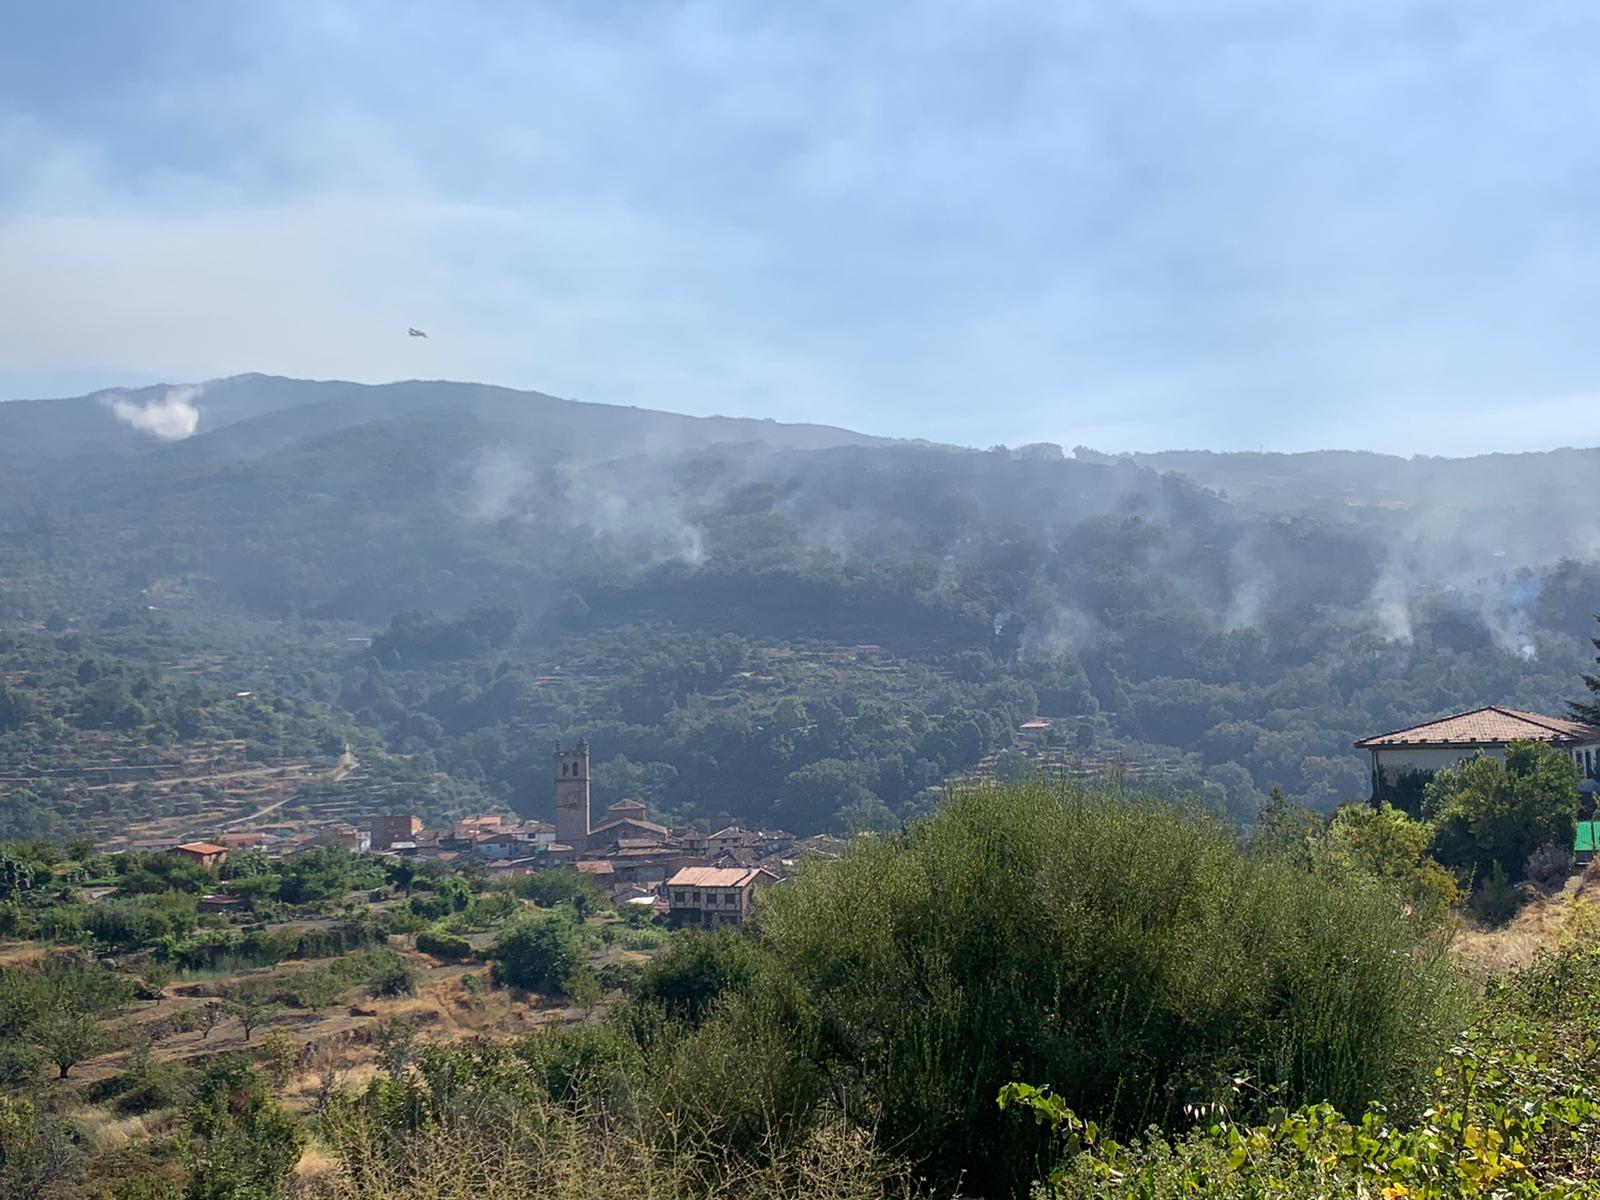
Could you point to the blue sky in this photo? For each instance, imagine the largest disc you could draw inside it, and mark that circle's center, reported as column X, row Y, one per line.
column 1135, row 225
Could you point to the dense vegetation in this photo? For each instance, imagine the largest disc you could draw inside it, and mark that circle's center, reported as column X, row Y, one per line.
column 1513, row 1111
column 795, row 626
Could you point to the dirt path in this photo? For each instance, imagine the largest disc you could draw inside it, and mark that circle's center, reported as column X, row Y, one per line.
column 347, row 763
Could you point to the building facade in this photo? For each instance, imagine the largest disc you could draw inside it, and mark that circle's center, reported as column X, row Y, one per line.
column 1403, row 760
column 391, row 828
column 709, row 896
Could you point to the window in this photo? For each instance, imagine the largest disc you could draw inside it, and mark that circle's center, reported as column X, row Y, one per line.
column 730, row 899
column 677, row 897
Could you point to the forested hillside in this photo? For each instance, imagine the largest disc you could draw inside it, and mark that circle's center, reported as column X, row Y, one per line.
column 795, row 625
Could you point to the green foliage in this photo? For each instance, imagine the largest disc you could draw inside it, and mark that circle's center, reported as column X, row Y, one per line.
column 1123, row 949
column 241, row 1144
column 141, row 920
column 417, row 637
column 1488, row 813
column 696, row 970
column 1513, row 1111
column 1494, row 899
column 252, row 1009
column 562, row 886
column 1384, row 843
column 444, row 945
column 1585, row 710
column 59, row 1006
column 37, row 1150
column 536, row 954
column 389, row 974
column 141, row 874
column 313, row 989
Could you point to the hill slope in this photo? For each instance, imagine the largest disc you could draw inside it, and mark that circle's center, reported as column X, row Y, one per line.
column 795, row 622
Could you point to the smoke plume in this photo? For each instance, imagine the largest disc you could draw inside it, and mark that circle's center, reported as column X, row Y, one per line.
column 172, row 417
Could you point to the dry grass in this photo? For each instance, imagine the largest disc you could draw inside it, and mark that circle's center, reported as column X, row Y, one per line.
column 103, row 1131
column 545, row 1151
column 1546, row 923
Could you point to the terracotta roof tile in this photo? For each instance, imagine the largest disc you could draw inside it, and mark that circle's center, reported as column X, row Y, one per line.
column 1491, row 725
column 713, row 877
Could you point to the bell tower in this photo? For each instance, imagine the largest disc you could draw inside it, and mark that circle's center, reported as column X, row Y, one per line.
column 572, row 795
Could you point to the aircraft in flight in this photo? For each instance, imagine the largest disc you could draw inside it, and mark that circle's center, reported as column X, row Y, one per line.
column 416, row 333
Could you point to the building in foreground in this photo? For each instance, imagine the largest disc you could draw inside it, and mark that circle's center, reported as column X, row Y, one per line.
column 1403, row 760
column 710, row 896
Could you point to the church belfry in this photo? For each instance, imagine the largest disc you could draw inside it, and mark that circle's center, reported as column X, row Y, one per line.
column 572, row 795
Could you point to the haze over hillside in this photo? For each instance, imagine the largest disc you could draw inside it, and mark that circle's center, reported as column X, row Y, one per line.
column 1231, row 622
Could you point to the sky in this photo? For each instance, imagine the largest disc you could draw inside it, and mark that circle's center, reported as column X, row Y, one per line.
column 1134, row 225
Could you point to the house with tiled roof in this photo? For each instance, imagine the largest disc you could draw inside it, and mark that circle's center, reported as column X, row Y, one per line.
column 710, row 896
column 207, row 854
column 1404, row 759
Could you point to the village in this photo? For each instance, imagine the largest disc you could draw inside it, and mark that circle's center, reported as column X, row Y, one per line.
column 708, row 873
column 703, row 874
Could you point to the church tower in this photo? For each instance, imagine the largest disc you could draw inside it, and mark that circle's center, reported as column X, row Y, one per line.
column 572, row 796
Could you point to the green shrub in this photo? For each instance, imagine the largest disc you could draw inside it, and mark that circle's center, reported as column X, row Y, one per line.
column 536, row 954
column 444, row 945
column 1494, row 900
column 1121, row 948
column 387, row 973
column 1513, row 1110
column 688, row 978
column 562, row 886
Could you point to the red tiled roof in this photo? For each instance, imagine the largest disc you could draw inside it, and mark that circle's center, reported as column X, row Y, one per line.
column 1491, row 725
column 202, row 848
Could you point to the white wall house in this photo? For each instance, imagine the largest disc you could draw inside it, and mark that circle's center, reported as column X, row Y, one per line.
column 1403, row 759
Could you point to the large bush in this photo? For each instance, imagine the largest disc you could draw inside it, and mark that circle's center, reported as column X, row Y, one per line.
column 1123, row 950
column 537, row 954
column 1489, row 812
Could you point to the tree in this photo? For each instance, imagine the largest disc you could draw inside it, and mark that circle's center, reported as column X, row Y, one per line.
column 1123, row 949
column 402, row 873
column 1388, row 845
column 16, row 876
column 696, row 970
column 68, row 1038
column 1486, row 813
column 1589, row 710
column 253, row 1009
column 210, row 1017
column 156, row 977
column 536, row 954
column 562, row 886
column 813, row 794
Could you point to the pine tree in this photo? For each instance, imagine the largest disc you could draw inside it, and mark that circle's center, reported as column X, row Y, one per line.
column 1589, row 710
